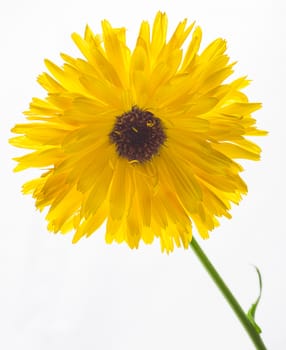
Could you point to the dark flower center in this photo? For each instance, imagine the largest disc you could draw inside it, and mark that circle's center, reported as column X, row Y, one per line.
column 137, row 135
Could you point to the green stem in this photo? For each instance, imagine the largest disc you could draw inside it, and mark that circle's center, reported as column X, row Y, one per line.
column 255, row 337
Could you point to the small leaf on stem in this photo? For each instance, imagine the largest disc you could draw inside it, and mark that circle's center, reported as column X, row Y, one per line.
column 252, row 309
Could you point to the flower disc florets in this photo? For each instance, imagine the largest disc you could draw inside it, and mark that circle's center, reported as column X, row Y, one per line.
column 138, row 135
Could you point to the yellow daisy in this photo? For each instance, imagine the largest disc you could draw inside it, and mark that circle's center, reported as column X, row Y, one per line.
column 144, row 139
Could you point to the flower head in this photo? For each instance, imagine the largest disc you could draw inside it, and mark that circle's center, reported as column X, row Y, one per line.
column 144, row 139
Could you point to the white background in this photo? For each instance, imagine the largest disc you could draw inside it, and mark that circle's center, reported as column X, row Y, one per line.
column 55, row 295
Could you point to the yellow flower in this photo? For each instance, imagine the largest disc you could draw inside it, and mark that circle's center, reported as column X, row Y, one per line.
column 145, row 139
